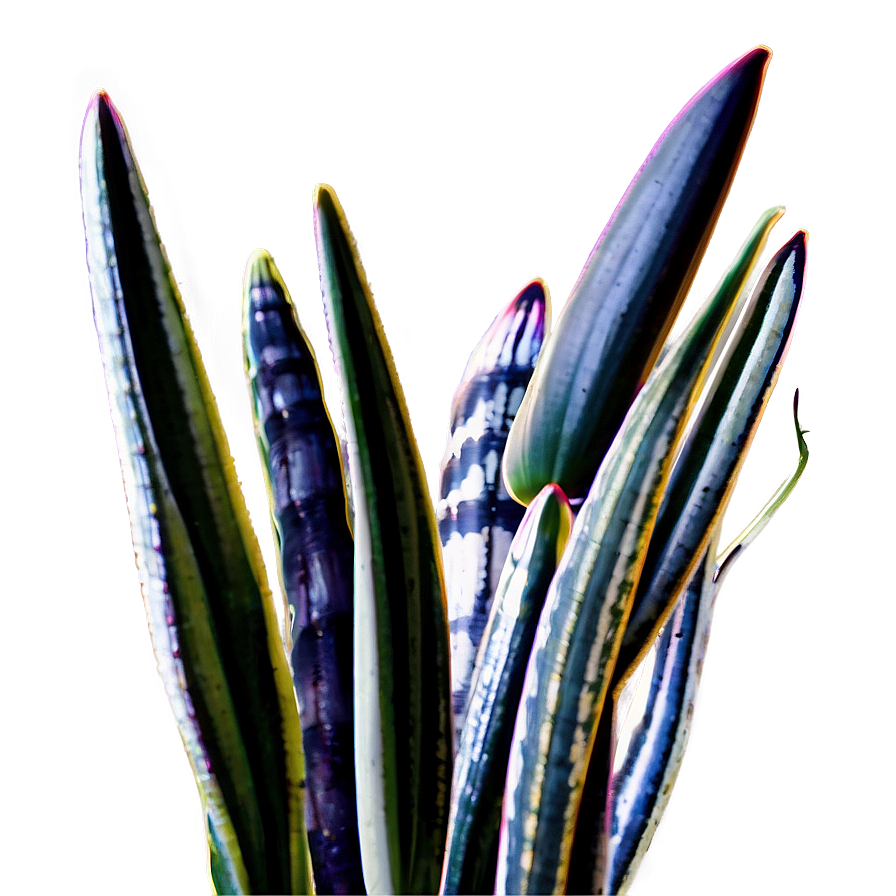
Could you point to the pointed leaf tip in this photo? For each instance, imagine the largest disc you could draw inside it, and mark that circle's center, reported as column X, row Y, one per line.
column 755, row 60
column 102, row 106
column 207, row 599
column 533, row 296
column 401, row 642
column 99, row 115
column 260, row 268
column 795, row 250
column 97, row 98
column 621, row 309
column 323, row 193
column 513, row 339
column 800, row 240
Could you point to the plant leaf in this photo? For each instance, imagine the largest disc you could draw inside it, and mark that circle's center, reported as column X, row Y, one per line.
column 622, row 307
column 481, row 764
column 699, row 490
column 643, row 784
column 477, row 518
column 640, row 790
column 707, row 469
column 403, row 708
column 584, row 616
column 303, row 474
column 210, row 612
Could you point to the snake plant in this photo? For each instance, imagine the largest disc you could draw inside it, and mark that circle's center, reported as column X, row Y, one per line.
column 442, row 703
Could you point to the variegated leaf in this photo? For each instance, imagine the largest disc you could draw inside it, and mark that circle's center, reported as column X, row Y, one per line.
column 402, row 682
column 210, row 612
column 477, row 518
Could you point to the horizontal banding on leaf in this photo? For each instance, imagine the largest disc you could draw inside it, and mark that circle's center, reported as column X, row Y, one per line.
column 303, row 474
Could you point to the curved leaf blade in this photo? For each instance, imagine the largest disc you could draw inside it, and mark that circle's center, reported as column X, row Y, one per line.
column 762, row 519
column 714, row 451
column 642, row 786
column 585, row 614
column 700, row 486
column 640, row 789
column 622, row 307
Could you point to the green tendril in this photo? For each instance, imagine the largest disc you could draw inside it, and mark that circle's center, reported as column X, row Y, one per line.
column 753, row 529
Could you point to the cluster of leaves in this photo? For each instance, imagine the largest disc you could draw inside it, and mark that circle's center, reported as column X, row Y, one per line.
column 587, row 472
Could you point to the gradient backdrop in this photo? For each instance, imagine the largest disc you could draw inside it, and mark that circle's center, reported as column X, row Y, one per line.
column 474, row 146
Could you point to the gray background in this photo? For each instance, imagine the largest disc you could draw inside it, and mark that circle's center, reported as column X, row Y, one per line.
column 473, row 146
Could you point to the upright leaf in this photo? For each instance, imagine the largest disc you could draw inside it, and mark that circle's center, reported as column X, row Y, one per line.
column 477, row 518
column 621, row 309
column 303, row 473
column 646, row 774
column 699, row 490
column 640, row 790
column 584, row 617
column 210, row 612
column 706, row 471
column 477, row 791
column 402, row 708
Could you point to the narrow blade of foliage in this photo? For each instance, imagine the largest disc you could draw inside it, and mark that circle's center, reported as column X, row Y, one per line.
column 211, row 616
column 476, row 516
column 588, row 858
column 589, row 846
column 642, row 786
column 712, row 455
column 699, row 490
column 622, row 307
column 403, row 707
column 303, row 473
column 584, row 616
column 481, row 764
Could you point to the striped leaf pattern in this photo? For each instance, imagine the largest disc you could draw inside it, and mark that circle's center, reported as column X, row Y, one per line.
column 527, row 657
column 706, row 472
column 589, row 847
column 402, row 683
column 702, row 480
column 478, row 788
column 585, row 614
column 643, row 784
column 645, row 774
column 211, row 615
column 477, row 518
column 303, row 473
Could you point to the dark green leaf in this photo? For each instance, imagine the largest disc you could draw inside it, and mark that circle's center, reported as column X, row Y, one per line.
column 712, row 455
column 211, row 617
column 585, row 613
column 622, row 307
column 403, row 709
column 650, row 763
